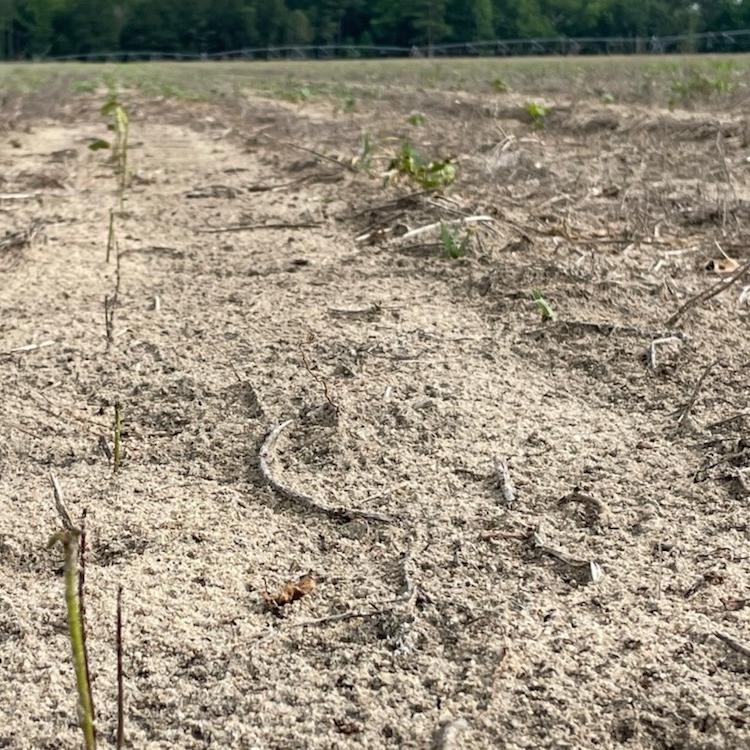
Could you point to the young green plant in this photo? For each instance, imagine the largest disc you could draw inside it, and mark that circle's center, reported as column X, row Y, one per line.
column 538, row 113
column 363, row 162
column 120, row 125
column 428, row 174
column 453, row 248
column 544, row 307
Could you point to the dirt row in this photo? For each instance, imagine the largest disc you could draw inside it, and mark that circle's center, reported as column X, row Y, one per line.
column 522, row 532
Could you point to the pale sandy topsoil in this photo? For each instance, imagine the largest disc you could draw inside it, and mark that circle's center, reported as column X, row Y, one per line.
column 407, row 377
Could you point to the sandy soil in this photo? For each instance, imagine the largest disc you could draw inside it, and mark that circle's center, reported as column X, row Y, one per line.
column 407, row 378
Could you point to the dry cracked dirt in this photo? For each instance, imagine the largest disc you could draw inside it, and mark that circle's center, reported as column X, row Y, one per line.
column 594, row 593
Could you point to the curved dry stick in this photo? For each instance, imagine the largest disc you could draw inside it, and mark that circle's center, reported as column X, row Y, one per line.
column 340, row 512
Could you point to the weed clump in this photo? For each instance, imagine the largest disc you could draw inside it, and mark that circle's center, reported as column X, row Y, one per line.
column 699, row 85
column 538, row 113
column 453, row 247
column 501, row 87
column 545, row 308
column 428, row 174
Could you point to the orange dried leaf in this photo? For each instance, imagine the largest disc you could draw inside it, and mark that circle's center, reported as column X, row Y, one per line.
column 289, row 592
column 722, row 265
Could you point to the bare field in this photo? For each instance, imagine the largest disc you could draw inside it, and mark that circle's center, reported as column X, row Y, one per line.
column 312, row 385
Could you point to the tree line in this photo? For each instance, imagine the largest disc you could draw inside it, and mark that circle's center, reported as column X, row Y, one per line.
column 38, row 28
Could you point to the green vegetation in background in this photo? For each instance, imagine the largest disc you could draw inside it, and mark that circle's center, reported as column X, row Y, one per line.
column 37, row 28
column 675, row 80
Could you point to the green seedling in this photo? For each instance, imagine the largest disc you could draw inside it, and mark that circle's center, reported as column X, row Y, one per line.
column 544, row 307
column 363, row 162
column 430, row 175
column 303, row 94
column 120, row 126
column 296, row 94
column 453, row 248
column 69, row 537
column 538, row 113
column 500, row 86
column 84, row 87
column 698, row 85
column 417, row 120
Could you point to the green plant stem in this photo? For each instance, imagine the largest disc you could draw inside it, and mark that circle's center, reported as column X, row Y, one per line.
column 122, row 126
column 69, row 539
column 111, row 234
column 82, row 601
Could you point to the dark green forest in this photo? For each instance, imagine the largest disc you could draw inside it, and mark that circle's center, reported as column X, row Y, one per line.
column 38, row 28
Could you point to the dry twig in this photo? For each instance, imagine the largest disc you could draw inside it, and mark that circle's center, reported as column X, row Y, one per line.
column 110, row 303
column 588, row 570
column 368, row 312
column 307, row 150
column 614, row 328
column 685, row 414
column 28, row 348
column 733, row 644
column 120, row 674
column 255, row 227
column 320, row 380
column 436, row 225
column 707, row 294
column 19, row 196
column 62, row 511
